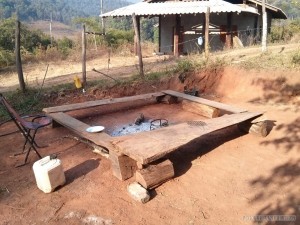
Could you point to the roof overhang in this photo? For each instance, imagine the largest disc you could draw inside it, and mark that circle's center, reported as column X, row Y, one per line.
column 176, row 8
column 276, row 12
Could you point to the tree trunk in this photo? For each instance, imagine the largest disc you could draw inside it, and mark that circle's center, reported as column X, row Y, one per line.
column 138, row 44
column 18, row 58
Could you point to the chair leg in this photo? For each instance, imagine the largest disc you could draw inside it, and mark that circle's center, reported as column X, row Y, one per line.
column 32, row 144
column 26, row 134
column 30, row 139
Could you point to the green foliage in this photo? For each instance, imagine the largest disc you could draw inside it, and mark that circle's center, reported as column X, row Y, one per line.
column 290, row 7
column 7, row 34
column 29, row 39
column 296, row 58
column 184, row 66
column 65, row 45
column 284, row 31
column 6, row 58
column 62, row 11
column 91, row 23
column 119, row 23
column 156, row 75
column 147, row 28
column 114, row 38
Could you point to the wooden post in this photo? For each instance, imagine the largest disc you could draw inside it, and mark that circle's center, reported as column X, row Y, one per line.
column 229, row 39
column 135, row 47
column 102, row 19
column 264, row 27
column 83, row 57
column 255, row 28
column 122, row 166
column 203, row 110
column 18, row 57
column 137, row 39
column 50, row 27
column 176, row 36
column 207, row 32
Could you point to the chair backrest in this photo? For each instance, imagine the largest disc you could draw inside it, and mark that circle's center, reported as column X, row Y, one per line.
column 12, row 113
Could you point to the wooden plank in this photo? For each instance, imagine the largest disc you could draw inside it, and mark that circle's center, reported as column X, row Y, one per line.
column 102, row 139
column 156, row 174
column 149, row 146
column 204, row 110
column 89, row 104
column 203, row 101
column 122, row 166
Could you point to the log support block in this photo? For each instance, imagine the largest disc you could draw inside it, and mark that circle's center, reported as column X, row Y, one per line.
column 155, row 174
column 203, row 110
column 167, row 99
column 55, row 124
column 258, row 128
column 123, row 167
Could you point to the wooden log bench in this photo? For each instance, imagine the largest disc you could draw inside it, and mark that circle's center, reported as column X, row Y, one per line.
column 147, row 147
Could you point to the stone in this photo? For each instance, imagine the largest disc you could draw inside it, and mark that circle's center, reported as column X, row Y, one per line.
column 138, row 193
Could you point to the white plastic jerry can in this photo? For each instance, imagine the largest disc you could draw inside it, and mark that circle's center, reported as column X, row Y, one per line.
column 48, row 174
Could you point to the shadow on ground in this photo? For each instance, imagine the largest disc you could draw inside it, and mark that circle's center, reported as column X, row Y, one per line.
column 81, row 169
column 279, row 186
column 291, row 138
column 278, row 91
column 183, row 157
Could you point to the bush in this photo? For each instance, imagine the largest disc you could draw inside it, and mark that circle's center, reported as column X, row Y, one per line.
column 6, row 58
column 284, row 32
column 64, row 46
column 115, row 38
column 184, row 65
column 296, row 58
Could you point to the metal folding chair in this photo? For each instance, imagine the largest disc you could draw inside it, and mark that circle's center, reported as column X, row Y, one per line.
column 28, row 126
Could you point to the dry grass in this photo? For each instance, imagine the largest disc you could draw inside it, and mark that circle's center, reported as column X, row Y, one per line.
column 59, row 30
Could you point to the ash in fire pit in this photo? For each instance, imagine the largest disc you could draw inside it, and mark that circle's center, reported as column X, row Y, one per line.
column 139, row 125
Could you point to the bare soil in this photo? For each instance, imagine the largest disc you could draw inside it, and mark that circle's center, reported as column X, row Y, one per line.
column 222, row 178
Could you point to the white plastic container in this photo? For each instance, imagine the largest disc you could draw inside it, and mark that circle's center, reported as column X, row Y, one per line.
column 48, row 174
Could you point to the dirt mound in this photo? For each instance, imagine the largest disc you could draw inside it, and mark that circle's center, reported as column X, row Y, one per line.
column 229, row 83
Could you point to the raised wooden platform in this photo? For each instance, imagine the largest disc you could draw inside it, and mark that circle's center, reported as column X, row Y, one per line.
column 149, row 146
column 127, row 153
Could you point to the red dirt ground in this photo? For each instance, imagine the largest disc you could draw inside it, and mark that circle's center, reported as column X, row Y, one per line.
column 222, row 178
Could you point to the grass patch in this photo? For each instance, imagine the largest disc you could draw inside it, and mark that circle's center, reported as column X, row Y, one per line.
column 296, row 58
column 24, row 103
column 269, row 60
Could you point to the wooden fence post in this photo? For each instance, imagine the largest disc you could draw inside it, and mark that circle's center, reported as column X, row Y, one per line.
column 137, row 40
column 83, row 57
column 207, row 32
column 264, row 27
column 18, row 57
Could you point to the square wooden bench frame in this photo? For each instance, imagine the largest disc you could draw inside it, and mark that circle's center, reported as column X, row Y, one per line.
column 125, row 152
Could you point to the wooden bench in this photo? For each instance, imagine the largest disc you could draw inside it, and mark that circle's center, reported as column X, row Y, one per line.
column 149, row 146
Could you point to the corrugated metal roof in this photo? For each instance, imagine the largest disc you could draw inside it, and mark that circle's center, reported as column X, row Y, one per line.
column 172, row 7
